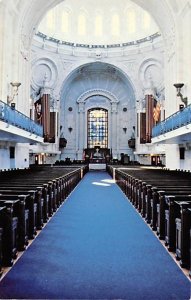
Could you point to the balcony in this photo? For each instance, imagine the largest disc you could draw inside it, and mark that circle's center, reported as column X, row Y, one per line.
column 175, row 129
column 17, row 127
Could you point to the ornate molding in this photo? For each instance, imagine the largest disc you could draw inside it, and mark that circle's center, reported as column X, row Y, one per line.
column 150, row 74
column 97, row 92
column 44, row 67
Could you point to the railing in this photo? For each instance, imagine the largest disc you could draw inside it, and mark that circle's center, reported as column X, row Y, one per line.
column 135, row 42
column 16, row 118
column 177, row 120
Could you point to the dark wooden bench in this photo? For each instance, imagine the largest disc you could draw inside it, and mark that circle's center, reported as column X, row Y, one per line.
column 147, row 205
column 153, row 201
column 8, row 223
column 190, row 246
column 29, row 203
column 183, row 227
column 162, row 206
column 1, row 254
column 22, row 213
column 42, row 191
column 171, row 213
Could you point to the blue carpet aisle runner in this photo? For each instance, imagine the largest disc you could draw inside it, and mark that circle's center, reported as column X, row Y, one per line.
column 96, row 247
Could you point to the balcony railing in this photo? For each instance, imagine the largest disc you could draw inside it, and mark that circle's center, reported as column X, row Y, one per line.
column 177, row 120
column 16, row 118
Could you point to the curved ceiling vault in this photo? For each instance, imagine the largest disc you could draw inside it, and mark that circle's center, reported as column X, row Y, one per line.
column 98, row 76
column 97, row 23
column 33, row 12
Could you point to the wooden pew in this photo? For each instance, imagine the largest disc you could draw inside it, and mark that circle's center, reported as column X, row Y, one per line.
column 162, row 206
column 152, row 205
column 148, row 199
column 190, row 247
column 42, row 196
column 171, row 213
column 22, row 213
column 155, row 202
column 29, row 204
column 9, row 235
column 183, row 227
column 1, row 254
column 148, row 205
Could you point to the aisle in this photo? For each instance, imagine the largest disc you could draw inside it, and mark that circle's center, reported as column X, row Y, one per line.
column 96, row 247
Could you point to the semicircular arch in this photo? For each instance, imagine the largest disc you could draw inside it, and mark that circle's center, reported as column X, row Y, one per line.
column 97, row 92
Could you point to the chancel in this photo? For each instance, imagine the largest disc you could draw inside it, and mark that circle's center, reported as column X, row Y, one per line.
column 95, row 96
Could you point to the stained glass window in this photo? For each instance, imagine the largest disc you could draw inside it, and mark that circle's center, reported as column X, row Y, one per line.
column 97, row 128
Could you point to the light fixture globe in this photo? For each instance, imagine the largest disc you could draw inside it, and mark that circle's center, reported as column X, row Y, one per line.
column 15, row 84
column 178, row 85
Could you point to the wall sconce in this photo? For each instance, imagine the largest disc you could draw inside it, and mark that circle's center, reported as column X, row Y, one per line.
column 70, row 129
column 15, row 86
column 178, row 87
column 125, row 129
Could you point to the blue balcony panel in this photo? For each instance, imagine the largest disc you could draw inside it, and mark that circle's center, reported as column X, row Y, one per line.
column 176, row 128
column 14, row 123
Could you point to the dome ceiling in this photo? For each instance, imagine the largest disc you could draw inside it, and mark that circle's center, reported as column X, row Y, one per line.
column 97, row 22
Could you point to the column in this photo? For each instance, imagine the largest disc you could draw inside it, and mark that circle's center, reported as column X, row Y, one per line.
column 149, row 117
column 81, row 130
column 114, row 129
column 45, row 110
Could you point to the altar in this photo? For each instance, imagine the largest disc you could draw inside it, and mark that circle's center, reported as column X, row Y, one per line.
column 97, row 157
column 97, row 166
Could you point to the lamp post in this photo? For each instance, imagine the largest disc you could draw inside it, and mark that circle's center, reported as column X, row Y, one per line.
column 10, row 99
column 178, row 87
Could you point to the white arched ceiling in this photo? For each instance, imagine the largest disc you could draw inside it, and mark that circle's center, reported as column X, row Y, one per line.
column 33, row 12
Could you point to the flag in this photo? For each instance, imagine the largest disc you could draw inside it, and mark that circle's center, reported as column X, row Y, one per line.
column 38, row 109
column 156, row 112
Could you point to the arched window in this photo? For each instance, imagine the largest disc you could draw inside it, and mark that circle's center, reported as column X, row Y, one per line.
column 97, row 128
column 131, row 21
column 82, row 24
column 50, row 20
column 98, row 25
column 115, row 25
column 65, row 22
column 146, row 20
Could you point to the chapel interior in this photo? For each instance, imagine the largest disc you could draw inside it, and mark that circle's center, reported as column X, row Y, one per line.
column 96, row 85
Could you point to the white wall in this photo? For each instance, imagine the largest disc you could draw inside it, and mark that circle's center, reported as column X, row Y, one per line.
column 21, row 156
column 172, row 156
